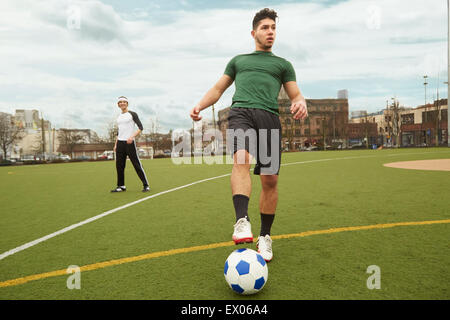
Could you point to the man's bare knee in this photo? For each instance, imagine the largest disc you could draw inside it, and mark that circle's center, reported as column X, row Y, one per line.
column 269, row 182
column 242, row 157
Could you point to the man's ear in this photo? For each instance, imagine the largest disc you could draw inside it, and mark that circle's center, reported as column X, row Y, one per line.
column 253, row 33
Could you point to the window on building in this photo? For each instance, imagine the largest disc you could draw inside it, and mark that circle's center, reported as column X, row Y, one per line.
column 306, row 132
column 288, row 121
column 297, row 132
column 408, row 118
column 297, row 121
column 444, row 115
column 306, row 121
column 318, row 131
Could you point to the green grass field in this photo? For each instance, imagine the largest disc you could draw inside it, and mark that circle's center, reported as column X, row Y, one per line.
column 322, row 190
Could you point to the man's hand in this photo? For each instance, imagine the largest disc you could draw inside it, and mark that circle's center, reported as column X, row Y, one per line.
column 299, row 109
column 298, row 106
column 130, row 140
column 212, row 96
column 195, row 113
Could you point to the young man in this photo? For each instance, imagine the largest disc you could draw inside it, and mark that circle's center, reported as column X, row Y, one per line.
column 258, row 77
column 126, row 146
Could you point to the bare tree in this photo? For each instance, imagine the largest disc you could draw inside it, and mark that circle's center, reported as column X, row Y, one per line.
column 9, row 132
column 289, row 132
column 112, row 132
column 325, row 125
column 154, row 127
column 69, row 139
column 396, row 122
column 366, row 128
column 388, row 118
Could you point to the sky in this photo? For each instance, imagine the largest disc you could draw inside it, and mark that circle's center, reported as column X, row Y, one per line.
column 71, row 59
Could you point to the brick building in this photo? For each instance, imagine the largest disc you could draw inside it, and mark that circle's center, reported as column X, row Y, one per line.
column 85, row 151
column 425, row 125
column 327, row 121
column 363, row 134
column 420, row 126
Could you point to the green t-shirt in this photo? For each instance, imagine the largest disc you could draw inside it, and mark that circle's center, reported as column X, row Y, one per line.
column 258, row 78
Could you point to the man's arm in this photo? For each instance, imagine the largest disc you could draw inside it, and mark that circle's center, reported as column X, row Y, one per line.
column 298, row 102
column 212, row 96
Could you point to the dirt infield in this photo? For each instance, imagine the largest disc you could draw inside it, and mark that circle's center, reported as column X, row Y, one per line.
column 437, row 165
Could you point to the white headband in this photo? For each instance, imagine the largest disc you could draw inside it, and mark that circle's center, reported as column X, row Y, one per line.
column 122, row 99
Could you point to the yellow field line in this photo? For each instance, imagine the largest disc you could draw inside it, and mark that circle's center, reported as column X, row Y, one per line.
column 100, row 265
column 375, row 226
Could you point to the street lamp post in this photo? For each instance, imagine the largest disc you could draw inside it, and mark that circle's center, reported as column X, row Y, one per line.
column 43, row 136
column 426, row 116
column 215, row 146
column 388, row 119
column 448, row 117
column 448, row 69
column 324, row 133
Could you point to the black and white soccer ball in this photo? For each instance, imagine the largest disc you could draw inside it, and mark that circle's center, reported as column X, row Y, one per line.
column 246, row 271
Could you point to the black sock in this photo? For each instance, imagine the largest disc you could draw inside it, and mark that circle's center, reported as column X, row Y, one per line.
column 240, row 202
column 266, row 223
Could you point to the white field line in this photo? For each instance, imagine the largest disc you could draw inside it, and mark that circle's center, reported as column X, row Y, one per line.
column 106, row 213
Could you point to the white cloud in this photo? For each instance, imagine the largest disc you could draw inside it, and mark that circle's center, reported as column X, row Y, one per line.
column 339, row 44
column 75, row 75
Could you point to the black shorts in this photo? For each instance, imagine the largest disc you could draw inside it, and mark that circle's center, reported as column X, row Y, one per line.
column 259, row 132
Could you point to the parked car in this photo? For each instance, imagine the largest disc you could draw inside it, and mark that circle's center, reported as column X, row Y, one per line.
column 64, row 157
column 107, row 155
column 358, row 146
column 29, row 158
column 5, row 162
column 83, row 158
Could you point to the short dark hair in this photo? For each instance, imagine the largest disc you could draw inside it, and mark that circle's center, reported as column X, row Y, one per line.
column 262, row 14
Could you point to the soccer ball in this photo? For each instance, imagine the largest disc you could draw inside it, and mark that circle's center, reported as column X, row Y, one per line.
column 246, row 271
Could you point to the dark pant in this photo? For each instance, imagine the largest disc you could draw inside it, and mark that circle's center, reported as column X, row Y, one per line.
column 259, row 132
column 123, row 150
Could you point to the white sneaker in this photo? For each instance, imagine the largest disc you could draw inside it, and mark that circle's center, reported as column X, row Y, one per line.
column 264, row 246
column 242, row 232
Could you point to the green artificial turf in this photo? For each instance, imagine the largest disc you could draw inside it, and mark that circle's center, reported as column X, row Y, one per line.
column 323, row 190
